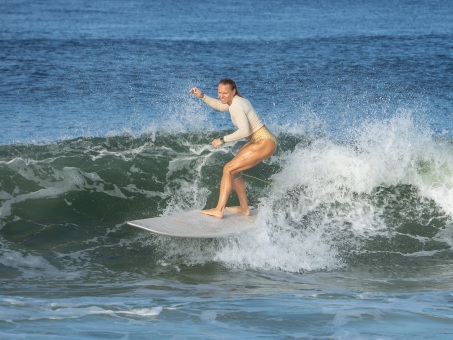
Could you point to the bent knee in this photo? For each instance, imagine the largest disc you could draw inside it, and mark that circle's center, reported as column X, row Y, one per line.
column 232, row 168
column 228, row 168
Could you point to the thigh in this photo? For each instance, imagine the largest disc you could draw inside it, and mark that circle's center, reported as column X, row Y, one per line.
column 250, row 155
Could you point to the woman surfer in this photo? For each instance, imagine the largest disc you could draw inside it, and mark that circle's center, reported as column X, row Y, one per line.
column 262, row 144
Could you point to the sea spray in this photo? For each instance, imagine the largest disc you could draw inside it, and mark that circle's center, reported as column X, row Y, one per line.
column 385, row 191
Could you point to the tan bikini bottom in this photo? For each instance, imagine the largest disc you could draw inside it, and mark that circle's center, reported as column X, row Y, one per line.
column 262, row 133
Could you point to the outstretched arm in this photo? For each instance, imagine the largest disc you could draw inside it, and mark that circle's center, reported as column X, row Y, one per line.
column 214, row 103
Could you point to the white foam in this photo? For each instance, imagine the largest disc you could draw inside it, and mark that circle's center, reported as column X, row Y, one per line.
column 398, row 152
column 321, row 202
column 30, row 265
column 74, row 308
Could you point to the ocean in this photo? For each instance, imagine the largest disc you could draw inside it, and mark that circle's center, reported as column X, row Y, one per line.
column 354, row 234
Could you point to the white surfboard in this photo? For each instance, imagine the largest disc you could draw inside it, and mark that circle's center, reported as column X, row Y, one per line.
column 194, row 224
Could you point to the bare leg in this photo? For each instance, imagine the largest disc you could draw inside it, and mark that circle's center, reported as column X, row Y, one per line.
column 246, row 158
column 239, row 187
column 226, row 186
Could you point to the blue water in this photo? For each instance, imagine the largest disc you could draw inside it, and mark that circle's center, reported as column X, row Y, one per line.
column 354, row 236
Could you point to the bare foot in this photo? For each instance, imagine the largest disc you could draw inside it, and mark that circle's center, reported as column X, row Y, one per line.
column 213, row 212
column 239, row 210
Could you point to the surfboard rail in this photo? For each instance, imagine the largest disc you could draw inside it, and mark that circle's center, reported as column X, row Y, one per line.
column 194, row 224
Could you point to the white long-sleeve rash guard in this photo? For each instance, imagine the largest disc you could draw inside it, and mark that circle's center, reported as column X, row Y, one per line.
column 243, row 116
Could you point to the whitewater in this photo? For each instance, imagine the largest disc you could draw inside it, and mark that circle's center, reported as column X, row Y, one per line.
column 354, row 236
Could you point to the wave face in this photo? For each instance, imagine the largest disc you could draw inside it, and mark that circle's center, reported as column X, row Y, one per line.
column 384, row 197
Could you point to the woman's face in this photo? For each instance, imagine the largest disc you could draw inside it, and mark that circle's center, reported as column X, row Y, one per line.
column 226, row 94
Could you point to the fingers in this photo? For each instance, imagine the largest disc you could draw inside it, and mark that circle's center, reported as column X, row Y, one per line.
column 196, row 92
column 216, row 143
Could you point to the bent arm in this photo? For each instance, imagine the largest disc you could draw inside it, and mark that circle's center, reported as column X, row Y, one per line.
column 242, row 123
